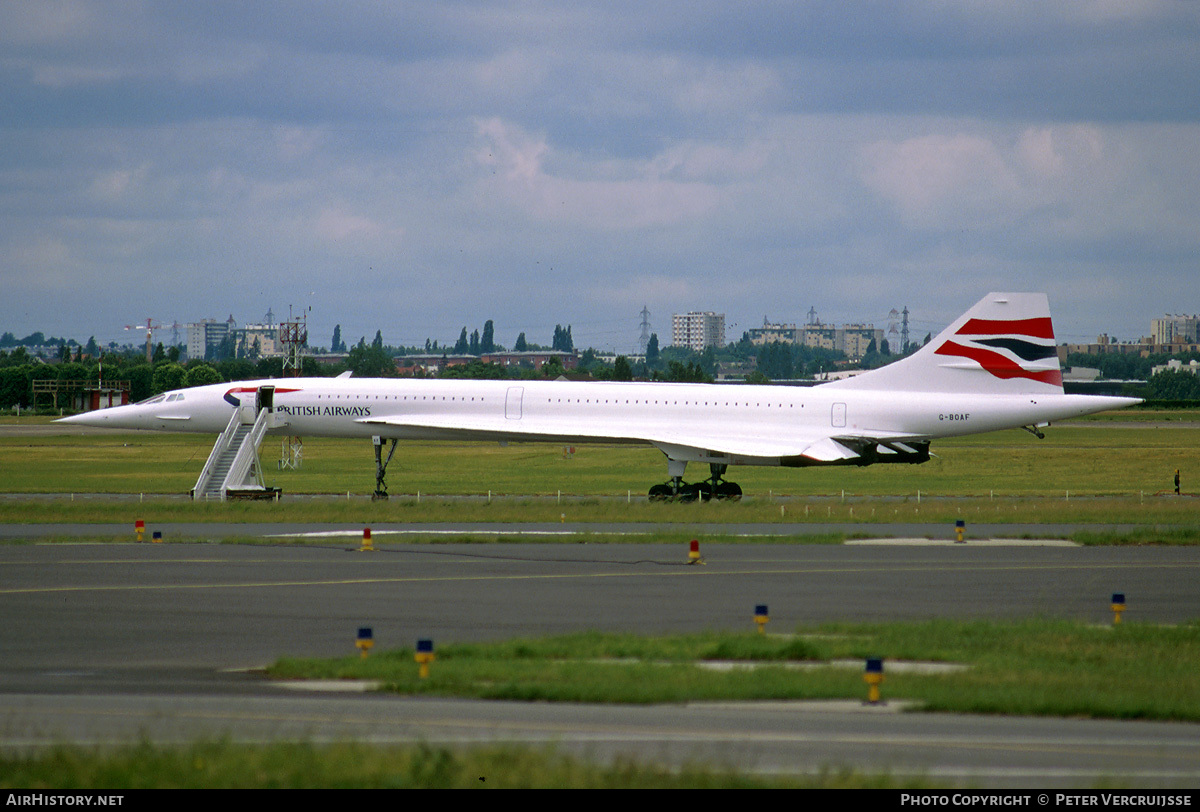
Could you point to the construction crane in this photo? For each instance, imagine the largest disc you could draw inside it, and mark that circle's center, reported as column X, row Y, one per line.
column 149, row 327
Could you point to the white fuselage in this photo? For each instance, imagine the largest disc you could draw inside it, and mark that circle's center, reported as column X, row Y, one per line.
column 995, row 367
column 760, row 423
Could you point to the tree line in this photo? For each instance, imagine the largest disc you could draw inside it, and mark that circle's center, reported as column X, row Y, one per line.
column 19, row 369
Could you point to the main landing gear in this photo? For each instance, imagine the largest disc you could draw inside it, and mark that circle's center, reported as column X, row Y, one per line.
column 381, row 466
column 715, row 487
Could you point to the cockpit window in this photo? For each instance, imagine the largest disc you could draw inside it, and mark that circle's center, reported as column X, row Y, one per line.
column 167, row 397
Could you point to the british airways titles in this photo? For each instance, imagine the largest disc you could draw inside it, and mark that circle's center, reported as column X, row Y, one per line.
column 325, row 411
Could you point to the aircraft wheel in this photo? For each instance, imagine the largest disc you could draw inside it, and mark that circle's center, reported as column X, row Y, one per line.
column 727, row 490
column 661, row 493
column 690, row 493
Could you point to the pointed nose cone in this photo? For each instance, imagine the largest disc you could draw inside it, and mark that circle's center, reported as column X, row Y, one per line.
column 96, row 418
column 114, row 417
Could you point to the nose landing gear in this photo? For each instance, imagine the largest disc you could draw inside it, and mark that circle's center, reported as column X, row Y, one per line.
column 381, row 466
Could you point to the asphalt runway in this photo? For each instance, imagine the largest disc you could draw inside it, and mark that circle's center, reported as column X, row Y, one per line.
column 113, row 642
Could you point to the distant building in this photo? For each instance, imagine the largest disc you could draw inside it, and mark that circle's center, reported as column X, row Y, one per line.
column 531, row 358
column 206, row 335
column 1175, row 365
column 432, row 363
column 1169, row 335
column 1080, row 374
column 698, row 330
column 329, row 358
column 1107, row 345
column 256, row 341
column 824, row 336
column 1145, row 346
column 773, row 333
column 851, row 339
column 1175, row 330
column 253, row 341
column 611, row 357
column 736, row 371
column 856, row 339
column 838, row 375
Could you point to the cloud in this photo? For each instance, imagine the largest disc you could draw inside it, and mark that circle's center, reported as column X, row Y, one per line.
column 1035, row 176
column 624, row 195
column 650, row 288
column 941, row 180
column 336, row 224
column 114, row 186
column 37, row 254
column 294, row 143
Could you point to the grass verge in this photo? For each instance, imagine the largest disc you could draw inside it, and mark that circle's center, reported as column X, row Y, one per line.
column 1139, row 536
column 1148, row 512
column 1035, row 667
column 224, row 765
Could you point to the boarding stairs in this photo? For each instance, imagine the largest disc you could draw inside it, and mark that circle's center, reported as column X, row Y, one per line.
column 233, row 469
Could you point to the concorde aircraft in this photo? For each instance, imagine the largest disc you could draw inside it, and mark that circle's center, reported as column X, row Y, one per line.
column 995, row 367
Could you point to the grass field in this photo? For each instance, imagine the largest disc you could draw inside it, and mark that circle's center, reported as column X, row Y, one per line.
column 1033, row 667
column 1118, row 468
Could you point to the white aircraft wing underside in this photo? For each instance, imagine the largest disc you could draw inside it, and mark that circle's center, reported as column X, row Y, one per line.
column 821, row 447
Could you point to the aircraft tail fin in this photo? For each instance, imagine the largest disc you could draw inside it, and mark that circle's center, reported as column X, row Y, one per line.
column 1002, row 345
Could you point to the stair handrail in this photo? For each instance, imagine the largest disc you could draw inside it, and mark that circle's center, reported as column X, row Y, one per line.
column 244, row 467
column 222, row 443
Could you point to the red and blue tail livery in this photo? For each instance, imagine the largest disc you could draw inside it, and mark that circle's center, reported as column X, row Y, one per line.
column 1004, row 345
column 1008, row 348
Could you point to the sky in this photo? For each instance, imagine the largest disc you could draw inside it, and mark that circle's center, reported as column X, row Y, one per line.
column 414, row 167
